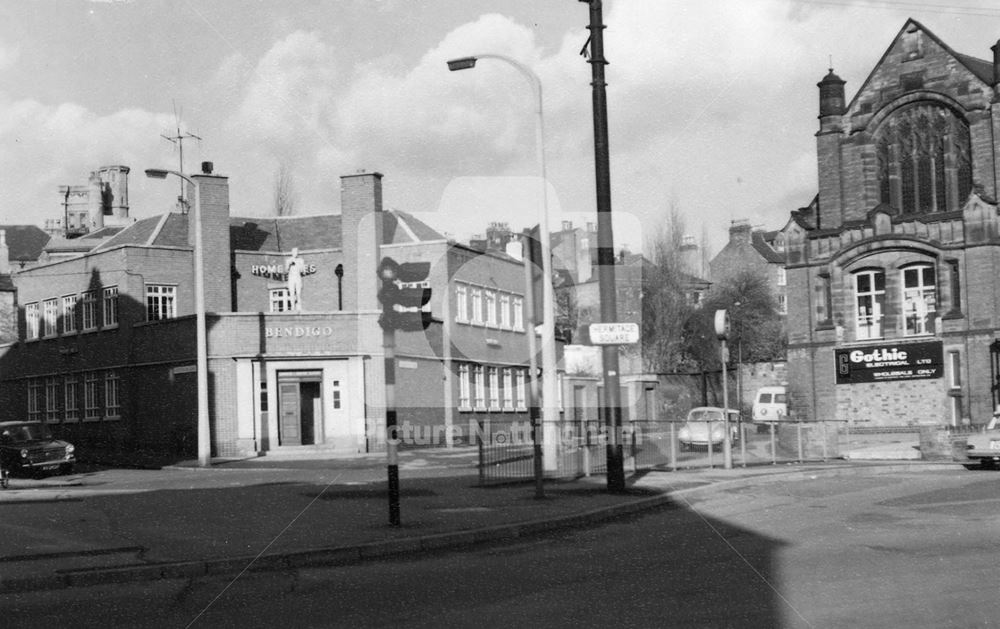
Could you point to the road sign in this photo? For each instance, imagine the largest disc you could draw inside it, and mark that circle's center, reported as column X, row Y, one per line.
column 614, row 333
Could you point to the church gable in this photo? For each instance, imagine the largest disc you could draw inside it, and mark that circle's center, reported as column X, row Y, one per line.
column 917, row 62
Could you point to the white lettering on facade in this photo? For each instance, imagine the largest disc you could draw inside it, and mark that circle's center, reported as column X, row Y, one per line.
column 297, row 331
column 277, row 271
column 883, row 357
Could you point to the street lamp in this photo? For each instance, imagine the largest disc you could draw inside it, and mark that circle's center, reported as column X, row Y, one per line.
column 549, row 382
column 204, row 432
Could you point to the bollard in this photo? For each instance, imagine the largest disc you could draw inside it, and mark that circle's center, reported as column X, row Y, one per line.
column 673, row 446
column 774, row 446
column 743, row 443
column 710, row 465
column 798, row 427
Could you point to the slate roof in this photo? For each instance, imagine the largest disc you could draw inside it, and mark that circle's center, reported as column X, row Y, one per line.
column 25, row 242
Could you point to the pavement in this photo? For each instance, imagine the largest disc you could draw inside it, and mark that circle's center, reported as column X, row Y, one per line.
column 106, row 525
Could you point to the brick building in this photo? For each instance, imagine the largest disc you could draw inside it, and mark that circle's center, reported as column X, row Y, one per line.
column 105, row 345
column 893, row 269
column 759, row 251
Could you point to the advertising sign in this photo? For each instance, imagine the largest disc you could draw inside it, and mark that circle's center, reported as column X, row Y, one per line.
column 890, row 361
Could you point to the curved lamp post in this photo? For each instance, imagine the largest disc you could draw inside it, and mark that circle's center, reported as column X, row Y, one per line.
column 550, row 393
column 204, row 432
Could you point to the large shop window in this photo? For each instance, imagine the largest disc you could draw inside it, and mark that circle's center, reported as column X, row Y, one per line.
column 869, row 291
column 923, row 156
column 919, row 299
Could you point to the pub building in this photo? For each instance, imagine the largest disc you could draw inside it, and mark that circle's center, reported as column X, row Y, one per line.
column 893, row 307
column 105, row 346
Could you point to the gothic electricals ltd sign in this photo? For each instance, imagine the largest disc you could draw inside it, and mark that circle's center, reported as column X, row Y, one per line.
column 890, row 361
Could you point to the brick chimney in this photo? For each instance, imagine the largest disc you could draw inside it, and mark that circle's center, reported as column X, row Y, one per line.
column 214, row 205
column 361, row 235
column 690, row 260
column 739, row 232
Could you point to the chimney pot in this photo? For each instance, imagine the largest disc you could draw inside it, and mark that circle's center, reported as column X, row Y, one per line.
column 207, row 167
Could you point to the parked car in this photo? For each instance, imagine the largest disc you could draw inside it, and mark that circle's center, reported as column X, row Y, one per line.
column 984, row 447
column 29, row 446
column 705, row 425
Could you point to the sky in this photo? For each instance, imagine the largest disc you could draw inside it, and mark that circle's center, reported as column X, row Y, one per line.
column 712, row 104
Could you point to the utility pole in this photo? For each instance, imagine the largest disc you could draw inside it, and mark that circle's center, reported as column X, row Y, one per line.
column 605, row 249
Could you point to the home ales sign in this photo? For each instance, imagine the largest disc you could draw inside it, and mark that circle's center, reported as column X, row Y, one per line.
column 890, row 361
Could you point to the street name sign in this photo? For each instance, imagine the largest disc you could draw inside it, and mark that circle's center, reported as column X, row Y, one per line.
column 614, row 333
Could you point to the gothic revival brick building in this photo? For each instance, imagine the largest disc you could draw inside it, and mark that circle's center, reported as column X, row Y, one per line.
column 894, row 268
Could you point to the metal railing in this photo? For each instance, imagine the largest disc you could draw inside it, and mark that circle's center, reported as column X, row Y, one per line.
column 648, row 445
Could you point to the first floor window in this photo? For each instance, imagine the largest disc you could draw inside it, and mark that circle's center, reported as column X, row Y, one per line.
column 31, row 320
column 869, row 291
column 505, row 311
column 90, row 396
column 477, row 306
column 280, row 300
column 52, row 395
column 112, row 405
column 461, row 303
column 782, row 304
column 90, row 310
column 71, row 403
column 110, row 306
column 51, row 317
column 161, row 302
column 919, row 299
column 69, row 313
column 517, row 303
column 491, row 308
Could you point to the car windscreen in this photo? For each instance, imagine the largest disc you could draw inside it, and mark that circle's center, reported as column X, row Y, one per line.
column 28, row 432
column 705, row 415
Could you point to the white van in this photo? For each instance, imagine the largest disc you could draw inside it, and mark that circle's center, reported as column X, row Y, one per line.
column 770, row 404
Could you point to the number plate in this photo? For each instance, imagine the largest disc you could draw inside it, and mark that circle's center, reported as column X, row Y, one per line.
column 994, row 445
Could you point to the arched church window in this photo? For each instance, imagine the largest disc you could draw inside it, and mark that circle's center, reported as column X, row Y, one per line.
column 923, row 160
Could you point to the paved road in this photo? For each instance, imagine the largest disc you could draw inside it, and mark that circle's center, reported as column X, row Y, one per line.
column 860, row 550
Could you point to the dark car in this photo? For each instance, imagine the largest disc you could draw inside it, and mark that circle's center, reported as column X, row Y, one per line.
column 29, row 446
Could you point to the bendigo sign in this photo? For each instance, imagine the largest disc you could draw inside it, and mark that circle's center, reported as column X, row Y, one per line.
column 890, row 361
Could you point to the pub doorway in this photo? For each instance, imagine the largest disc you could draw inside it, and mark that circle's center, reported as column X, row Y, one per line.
column 300, row 397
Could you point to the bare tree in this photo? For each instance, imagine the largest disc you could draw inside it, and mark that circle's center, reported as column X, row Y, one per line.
column 665, row 307
column 285, row 197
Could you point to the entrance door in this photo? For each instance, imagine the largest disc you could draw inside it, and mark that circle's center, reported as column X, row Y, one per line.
column 300, row 404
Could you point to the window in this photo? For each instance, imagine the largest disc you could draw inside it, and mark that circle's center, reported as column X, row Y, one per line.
column 31, row 321
column 51, row 316
column 491, row 308
column 71, row 404
column 52, row 395
column 505, row 311
column 477, row 306
column 782, row 303
column 522, row 394
column 518, row 304
column 955, row 364
column 90, row 397
column 110, row 303
column 161, row 302
column 782, row 276
column 869, row 291
column 494, row 384
column 508, row 389
column 480, row 384
column 69, row 313
column 35, row 393
column 280, row 300
column 112, row 405
column 923, row 157
column 919, row 299
column 337, row 399
column 464, row 387
column 461, row 303
column 90, row 310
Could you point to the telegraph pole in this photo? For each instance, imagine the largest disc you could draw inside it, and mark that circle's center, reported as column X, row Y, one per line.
column 606, row 250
